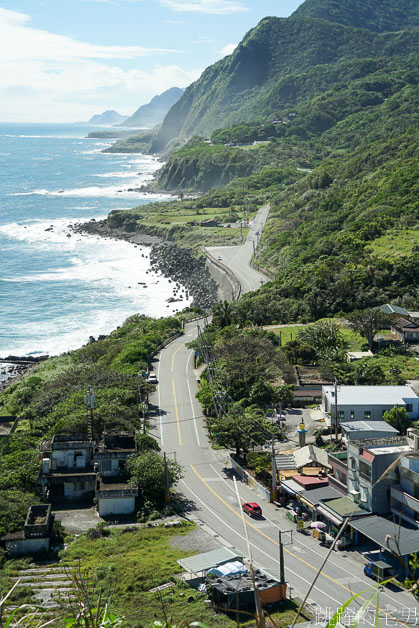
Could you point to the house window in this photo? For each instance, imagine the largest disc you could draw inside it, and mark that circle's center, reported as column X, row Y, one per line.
column 409, row 407
column 352, row 462
column 341, row 415
column 367, row 415
column 106, row 466
column 365, row 470
column 352, row 415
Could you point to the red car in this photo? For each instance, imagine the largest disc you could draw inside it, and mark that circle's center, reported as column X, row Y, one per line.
column 252, row 509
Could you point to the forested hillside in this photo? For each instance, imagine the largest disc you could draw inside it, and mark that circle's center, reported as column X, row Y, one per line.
column 387, row 15
column 279, row 64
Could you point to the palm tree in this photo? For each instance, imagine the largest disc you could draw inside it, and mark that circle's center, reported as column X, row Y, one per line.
column 223, row 314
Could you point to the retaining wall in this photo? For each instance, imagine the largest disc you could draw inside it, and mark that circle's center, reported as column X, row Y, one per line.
column 249, row 479
column 229, row 288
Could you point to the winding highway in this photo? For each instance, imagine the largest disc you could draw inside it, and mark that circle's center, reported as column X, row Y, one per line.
column 178, row 425
column 177, row 422
column 237, row 258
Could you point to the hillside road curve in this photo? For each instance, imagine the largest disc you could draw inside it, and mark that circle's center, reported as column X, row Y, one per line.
column 238, row 258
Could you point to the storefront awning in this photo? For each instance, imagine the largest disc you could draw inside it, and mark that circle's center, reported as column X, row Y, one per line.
column 305, row 502
column 291, row 487
column 329, row 516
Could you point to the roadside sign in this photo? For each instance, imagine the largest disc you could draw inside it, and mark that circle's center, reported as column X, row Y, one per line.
column 300, row 524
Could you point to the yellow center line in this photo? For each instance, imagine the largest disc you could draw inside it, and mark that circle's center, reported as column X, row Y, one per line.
column 177, row 413
column 173, row 357
column 339, row 584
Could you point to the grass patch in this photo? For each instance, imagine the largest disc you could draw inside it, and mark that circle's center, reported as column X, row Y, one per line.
column 132, row 563
column 397, row 243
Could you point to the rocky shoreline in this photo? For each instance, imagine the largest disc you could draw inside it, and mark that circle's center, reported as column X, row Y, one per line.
column 176, row 263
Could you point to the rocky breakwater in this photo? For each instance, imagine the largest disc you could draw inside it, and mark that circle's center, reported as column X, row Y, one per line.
column 185, row 270
column 172, row 261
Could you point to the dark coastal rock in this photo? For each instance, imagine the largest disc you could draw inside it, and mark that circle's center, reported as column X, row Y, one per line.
column 176, row 263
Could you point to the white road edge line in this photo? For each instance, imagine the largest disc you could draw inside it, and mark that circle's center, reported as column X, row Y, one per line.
column 158, row 399
column 190, row 397
column 258, row 548
column 331, row 562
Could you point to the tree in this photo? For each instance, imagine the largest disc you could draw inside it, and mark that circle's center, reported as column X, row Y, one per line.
column 147, row 443
column 285, row 395
column 148, row 473
column 398, row 418
column 298, row 352
column 368, row 322
column 326, row 338
column 367, row 372
column 242, row 428
column 204, row 396
column 223, row 314
column 242, row 359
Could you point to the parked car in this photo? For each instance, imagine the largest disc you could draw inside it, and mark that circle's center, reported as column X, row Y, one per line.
column 252, row 509
column 152, row 378
column 219, row 258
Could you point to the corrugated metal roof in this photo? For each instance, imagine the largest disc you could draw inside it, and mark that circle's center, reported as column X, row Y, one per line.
column 343, row 506
column 370, row 395
column 378, row 528
column 203, row 562
column 316, row 494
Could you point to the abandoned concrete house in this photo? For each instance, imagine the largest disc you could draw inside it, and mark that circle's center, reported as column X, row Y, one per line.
column 36, row 534
column 75, row 466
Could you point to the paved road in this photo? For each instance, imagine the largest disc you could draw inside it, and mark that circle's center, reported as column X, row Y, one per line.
column 237, row 258
column 208, row 486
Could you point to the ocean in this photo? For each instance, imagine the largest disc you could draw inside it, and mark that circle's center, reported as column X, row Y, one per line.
column 58, row 288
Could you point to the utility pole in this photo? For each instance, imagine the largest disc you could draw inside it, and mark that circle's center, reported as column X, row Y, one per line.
column 89, row 402
column 273, row 468
column 336, row 409
column 166, row 479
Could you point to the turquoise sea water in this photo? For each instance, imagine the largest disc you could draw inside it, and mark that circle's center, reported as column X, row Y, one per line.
column 56, row 290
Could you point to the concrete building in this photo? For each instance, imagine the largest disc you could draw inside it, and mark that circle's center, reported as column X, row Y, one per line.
column 404, row 497
column 74, row 467
column 67, row 467
column 367, row 403
column 371, row 471
column 112, row 491
column 36, row 534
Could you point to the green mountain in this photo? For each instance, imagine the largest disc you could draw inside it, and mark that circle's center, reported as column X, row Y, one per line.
column 385, row 15
column 279, row 64
column 148, row 116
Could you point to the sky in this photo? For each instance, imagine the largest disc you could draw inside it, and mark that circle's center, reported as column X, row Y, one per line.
column 66, row 60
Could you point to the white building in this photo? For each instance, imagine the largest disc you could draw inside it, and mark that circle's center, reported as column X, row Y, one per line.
column 368, row 403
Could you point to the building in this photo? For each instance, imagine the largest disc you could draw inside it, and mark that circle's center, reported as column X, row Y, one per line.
column 36, row 534
column 67, row 467
column 352, row 356
column 338, row 477
column 113, row 493
column 371, row 470
column 394, row 311
column 367, row 403
column 406, row 331
column 404, row 497
column 354, row 430
column 75, row 467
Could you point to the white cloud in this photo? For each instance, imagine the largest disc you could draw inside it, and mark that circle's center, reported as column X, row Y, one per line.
column 218, row 7
column 19, row 41
column 46, row 76
column 228, row 49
